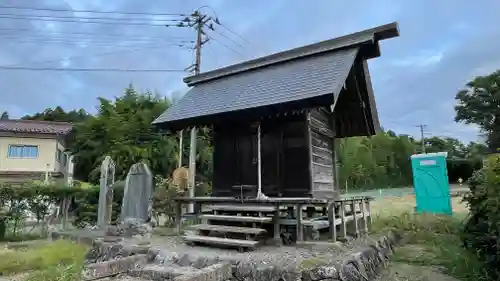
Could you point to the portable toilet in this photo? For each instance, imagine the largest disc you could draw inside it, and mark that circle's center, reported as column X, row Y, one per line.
column 430, row 181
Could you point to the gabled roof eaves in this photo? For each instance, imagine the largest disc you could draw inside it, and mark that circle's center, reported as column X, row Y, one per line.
column 372, row 36
column 294, row 80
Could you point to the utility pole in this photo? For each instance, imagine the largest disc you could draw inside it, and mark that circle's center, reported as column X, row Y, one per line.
column 422, row 128
column 199, row 22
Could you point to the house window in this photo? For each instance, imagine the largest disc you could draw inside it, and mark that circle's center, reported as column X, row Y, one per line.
column 23, row 151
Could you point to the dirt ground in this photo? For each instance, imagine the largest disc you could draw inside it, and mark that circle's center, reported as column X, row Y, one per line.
column 393, row 206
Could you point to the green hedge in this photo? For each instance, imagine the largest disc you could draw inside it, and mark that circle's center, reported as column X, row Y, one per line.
column 86, row 205
column 36, row 198
column 482, row 229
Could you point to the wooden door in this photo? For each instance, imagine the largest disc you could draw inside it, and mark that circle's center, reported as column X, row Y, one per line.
column 247, row 155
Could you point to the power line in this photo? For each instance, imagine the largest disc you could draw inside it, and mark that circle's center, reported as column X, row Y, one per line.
column 95, row 18
column 89, row 44
column 234, row 33
column 86, row 69
column 117, row 41
column 180, row 24
column 81, row 33
column 225, row 45
column 228, row 38
column 91, row 11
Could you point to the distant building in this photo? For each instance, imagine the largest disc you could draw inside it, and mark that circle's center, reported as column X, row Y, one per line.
column 34, row 150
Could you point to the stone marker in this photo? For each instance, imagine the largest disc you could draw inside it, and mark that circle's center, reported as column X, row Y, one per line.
column 106, row 192
column 137, row 193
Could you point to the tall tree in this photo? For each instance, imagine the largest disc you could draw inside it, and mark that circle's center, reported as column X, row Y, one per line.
column 4, row 116
column 59, row 114
column 479, row 103
column 122, row 128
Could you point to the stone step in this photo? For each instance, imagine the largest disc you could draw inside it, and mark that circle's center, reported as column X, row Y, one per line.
column 221, row 241
column 227, row 229
column 243, row 208
column 237, row 218
column 160, row 272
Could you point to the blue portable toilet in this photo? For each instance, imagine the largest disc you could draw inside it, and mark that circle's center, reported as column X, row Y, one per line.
column 430, row 181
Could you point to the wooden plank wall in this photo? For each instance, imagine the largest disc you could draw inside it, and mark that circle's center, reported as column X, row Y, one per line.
column 322, row 158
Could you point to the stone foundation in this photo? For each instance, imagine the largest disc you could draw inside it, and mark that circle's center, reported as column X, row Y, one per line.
column 111, row 256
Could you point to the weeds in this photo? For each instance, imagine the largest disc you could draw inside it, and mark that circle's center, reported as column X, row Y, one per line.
column 433, row 240
column 59, row 260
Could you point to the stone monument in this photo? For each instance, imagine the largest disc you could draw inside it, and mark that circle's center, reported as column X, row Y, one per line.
column 136, row 204
column 137, row 194
column 106, row 192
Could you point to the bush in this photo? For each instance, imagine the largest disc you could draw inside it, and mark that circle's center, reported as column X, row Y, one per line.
column 481, row 232
column 87, row 204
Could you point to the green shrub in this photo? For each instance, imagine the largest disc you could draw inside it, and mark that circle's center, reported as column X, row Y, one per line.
column 481, row 232
column 433, row 240
column 87, row 204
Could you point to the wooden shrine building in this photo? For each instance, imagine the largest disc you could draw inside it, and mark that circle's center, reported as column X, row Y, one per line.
column 275, row 118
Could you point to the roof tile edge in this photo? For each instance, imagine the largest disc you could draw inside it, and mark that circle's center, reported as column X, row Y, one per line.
column 378, row 33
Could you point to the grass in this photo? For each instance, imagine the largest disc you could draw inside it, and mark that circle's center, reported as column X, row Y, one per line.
column 431, row 240
column 61, row 260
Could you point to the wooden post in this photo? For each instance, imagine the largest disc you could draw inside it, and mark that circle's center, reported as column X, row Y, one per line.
column 178, row 218
column 343, row 228
column 332, row 221
column 181, row 148
column 197, row 211
column 300, row 228
column 365, row 221
column 355, row 218
column 276, row 221
column 192, row 167
column 369, row 208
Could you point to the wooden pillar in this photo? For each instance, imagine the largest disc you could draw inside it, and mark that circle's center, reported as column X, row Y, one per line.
column 178, row 218
column 364, row 217
column 343, row 227
column 369, row 209
column 355, row 218
column 192, row 167
column 181, row 148
column 197, row 212
column 259, row 164
column 300, row 228
column 276, row 221
column 332, row 221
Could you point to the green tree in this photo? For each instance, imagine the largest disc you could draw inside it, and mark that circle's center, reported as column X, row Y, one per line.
column 59, row 115
column 479, row 103
column 4, row 116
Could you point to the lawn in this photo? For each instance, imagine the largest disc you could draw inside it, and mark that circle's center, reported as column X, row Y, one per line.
column 432, row 242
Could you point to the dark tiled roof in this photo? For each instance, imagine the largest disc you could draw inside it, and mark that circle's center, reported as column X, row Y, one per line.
column 293, row 75
column 276, row 84
column 36, row 127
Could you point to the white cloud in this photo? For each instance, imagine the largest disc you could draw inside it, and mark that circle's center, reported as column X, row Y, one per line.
column 424, row 59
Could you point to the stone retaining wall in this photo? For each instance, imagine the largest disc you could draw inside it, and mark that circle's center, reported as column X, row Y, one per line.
column 363, row 265
column 110, row 257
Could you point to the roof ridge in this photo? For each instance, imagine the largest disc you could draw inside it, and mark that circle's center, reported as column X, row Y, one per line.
column 37, row 121
column 371, row 35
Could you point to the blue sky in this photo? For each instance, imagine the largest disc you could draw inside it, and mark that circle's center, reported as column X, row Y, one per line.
column 443, row 44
